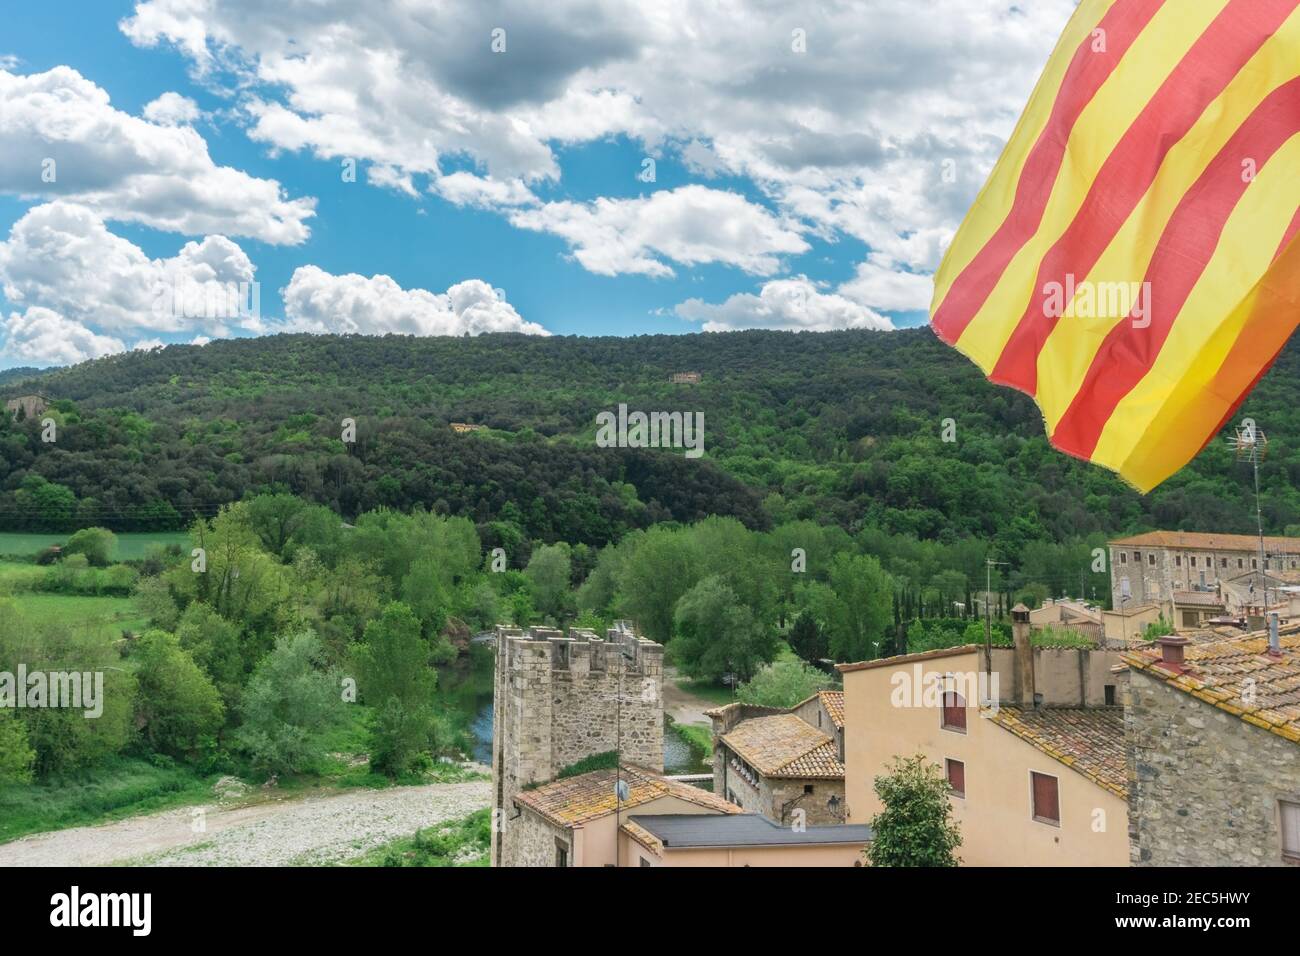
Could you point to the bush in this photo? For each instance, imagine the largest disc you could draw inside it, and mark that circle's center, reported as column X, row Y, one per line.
column 290, row 702
column 178, row 706
column 915, row 827
column 783, row 684
column 97, row 544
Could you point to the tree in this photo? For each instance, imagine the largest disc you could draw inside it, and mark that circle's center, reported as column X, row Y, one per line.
column 290, row 702
column 177, row 706
column 215, row 645
column 807, row 638
column 716, row 634
column 16, row 754
column 97, row 544
column 783, row 684
column 915, row 828
column 654, row 577
column 548, row 575
column 863, row 607
column 394, row 677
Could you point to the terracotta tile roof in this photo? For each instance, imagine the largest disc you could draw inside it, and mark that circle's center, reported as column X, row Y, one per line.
column 589, row 796
column 833, row 701
column 909, row 658
column 785, row 746
column 643, row 836
column 1202, row 541
column 1197, row 598
column 1239, row 677
column 1089, row 740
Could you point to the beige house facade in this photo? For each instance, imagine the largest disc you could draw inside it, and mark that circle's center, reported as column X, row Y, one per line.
column 1038, row 771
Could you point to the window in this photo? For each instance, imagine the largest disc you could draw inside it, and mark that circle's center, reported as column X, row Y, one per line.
column 1254, row 564
column 1241, row 563
column 1046, row 798
column 1193, row 560
column 1137, row 557
column 1151, row 559
column 1290, row 814
column 954, row 711
column 807, row 788
column 561, row 854
column 1223, row 562
column 1123, row 558
column 1110, row 695
column 956, row 771
column 1178, row 561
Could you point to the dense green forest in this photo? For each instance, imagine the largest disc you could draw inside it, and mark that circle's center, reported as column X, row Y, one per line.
column 843, row 428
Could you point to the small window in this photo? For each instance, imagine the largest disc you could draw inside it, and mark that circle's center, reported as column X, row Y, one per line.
column 1290, row 813
column 1254, row 564
column 1223, row 562
column 954, row 711
column 819, row 718
column 956, row 771
column 1151, row 559
column 561, row 854
column 1046, row 798
column 807, row 788
column 1178, row 561
column 1241, row 563
column 1123, row 558
column 1110, row 695
column 1137, row 556
column 1193, row 560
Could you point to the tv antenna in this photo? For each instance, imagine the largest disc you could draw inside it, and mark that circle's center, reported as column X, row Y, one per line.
column 1250, row 444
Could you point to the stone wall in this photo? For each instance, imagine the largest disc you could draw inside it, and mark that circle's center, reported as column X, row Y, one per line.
column 559, row 698
column 530, row 840
column 1203, row 785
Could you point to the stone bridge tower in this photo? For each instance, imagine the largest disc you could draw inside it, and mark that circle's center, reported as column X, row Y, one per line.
column 559, row 698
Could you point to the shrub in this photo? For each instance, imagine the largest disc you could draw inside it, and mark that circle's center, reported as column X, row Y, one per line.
column 97, row 544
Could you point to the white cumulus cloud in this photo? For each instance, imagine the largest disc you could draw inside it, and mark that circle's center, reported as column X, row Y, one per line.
column 41, row 337
column 792, row 304
column 316, row 301
column 61, row 256
column 688, row 225
column 61, row 138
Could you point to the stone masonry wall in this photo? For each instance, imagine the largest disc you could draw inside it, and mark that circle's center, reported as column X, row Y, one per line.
column 1204, row 785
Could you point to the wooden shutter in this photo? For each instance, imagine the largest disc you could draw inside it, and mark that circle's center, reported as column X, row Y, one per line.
column 1047, row 801
column 954, row 711
column 957, row 777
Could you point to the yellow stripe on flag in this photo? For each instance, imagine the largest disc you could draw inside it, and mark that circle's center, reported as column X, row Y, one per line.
column 1069, row 351
column 1103, row 123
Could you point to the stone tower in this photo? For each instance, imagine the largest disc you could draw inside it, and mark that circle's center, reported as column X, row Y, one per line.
column 558, row 699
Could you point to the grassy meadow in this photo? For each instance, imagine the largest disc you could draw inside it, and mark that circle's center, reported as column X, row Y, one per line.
column 131, row 546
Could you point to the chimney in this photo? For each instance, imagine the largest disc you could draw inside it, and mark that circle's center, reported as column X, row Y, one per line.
column 1171, row 652
column 1274, row 637
column 1024, row 656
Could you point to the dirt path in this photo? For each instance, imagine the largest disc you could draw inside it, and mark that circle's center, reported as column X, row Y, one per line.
column 683, row 706
column 303, row 831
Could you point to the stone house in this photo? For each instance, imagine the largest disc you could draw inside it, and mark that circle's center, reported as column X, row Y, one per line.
column 576, row 821
column 26, row 407
column 1213, row 734
column 777, row 763
column 1150, row 567
column 685, row 378
column 739, row 839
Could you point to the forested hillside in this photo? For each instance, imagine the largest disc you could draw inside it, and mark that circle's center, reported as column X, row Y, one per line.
column 843, row 428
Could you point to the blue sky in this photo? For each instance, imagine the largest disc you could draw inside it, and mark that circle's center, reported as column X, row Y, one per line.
column 799, row 164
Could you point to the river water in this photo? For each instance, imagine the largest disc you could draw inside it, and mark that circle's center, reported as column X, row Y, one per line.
column 679, row 756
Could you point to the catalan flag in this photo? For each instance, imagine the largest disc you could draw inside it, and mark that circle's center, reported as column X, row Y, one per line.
column 1130, row 263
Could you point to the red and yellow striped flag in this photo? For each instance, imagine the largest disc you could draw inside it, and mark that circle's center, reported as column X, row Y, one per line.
column 1130, row 261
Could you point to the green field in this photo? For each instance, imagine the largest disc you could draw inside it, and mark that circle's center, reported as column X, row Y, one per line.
column 111, row 614
column 131, row 546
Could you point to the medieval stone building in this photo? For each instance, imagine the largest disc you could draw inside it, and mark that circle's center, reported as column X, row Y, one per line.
column 560, row 698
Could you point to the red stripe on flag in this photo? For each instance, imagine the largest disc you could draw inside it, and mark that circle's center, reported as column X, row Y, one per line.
column 1185, row 248
column 1218, row 55
column 1087, row 72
